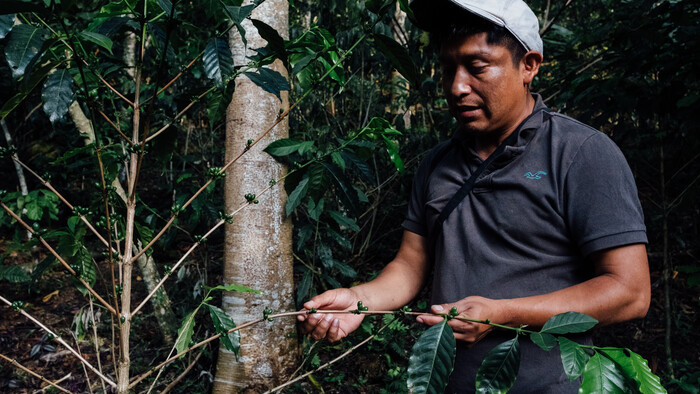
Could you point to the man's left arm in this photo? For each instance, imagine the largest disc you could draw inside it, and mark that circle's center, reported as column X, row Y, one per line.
column 619, row 291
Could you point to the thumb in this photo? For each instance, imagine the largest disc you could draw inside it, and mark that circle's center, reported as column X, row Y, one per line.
column 438, row 309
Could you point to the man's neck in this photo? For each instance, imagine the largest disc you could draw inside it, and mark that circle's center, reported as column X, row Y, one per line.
column 486, row 144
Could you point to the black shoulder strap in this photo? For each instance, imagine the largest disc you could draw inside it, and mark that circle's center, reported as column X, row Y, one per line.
column 463, row 191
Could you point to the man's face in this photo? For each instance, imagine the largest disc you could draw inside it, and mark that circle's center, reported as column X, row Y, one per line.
column 485, row 90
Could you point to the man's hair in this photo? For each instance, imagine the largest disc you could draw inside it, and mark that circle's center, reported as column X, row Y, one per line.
column 464, row 24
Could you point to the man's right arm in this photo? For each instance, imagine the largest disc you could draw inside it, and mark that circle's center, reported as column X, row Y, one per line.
column 397, row 284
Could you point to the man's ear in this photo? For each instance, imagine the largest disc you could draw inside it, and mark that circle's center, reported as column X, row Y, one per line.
column 530, row 65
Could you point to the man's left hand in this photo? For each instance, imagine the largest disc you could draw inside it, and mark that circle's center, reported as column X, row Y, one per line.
column 477, row 308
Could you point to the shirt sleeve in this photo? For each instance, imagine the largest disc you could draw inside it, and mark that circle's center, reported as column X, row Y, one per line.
column 601, row 203
column 415, row 220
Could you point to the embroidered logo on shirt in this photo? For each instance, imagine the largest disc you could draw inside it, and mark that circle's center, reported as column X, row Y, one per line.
column 537, row 175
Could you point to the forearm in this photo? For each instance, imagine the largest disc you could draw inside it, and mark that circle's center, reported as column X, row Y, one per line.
column 620, row 292
column 395, row 287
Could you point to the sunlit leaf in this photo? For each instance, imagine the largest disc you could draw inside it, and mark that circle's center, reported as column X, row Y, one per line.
column 184, row 334
column 432, row 360
column 392, row 148
column 222, row 323
column 286, row 146
column 568, row 322
column 98, row 39
column 499, row 369
column 236, row 288
column 635, row 367
column 25, row 43
column 218, row 61
column 601, row 376
column 573, row 357
column 545, row 341
column 57, row 94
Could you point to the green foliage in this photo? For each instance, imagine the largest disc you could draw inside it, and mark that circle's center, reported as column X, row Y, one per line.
column 569, row 323
column 636, row 369
column 223, row 323
column 573, row 357
column 24, row 45
column 602, row 376
column 58, row 94
column 14, row 274
column 218, row 61
column 499, row 369
column 432, row 360
column 185, row 332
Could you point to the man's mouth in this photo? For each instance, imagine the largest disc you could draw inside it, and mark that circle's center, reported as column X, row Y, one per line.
column 468, row 111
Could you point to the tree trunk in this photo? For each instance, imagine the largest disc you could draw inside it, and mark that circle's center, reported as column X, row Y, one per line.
column 258, row 245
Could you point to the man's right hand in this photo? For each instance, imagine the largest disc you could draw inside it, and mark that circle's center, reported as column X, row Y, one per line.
column 327, row 325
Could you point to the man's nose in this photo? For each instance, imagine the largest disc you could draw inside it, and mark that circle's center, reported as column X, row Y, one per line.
column 461, row 84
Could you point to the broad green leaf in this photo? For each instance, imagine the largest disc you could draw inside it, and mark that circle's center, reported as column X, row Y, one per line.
column 499, row 369
column 344, row 221
column 218, row 61
column 238, row 14
column 432, row 360
column 318, row 181
column 14, row 274
column 392, row 148
column 602, row 377
column 315, row 209
column 338, row 160
column 57, row 94
column 223, row 323
column 573, row 357
column 269, row 80
column 184, row 334
column 275, row 42
column 99, row 39
column 161, row 40
column 295, row 197
column 568, row 322
column 286, row 146
column 236, row 288
column 34, row 211
column 345, row 270
column 342, row 241
column 166, row 6
column 25, row 42
column 544, row 341
column 6, row 22
column 635, row 367
column 72, row 223
column 399, row 58
column 26, row 87
column 378, row 6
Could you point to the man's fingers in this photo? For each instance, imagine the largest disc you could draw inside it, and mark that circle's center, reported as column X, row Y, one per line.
column 429, row 319
column 322, row 327
column 334, row 331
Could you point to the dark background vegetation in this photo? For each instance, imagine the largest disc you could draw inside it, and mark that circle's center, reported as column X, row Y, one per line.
column 627, row 68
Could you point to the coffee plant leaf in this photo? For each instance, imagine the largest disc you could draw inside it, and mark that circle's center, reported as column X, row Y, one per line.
column 499, row 369
column 568, row 323
column 222, row 323
column 218, row 61
column 6, row 23
column 601, row 376
column 635, row 368
column 573, row 357
column 185, row 332
column 238, row 15
column 432, row 360
column 270, row 81
column 545, row 341
column 99, row 39
column 24, row 46
column 57, row 94
column 399, row 58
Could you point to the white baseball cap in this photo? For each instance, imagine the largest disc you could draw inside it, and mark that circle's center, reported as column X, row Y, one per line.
column 514, row 15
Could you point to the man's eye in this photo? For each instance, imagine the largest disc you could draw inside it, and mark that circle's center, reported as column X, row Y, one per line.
column 476, row 69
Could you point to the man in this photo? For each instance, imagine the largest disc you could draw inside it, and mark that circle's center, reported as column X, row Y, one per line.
column 551, row 224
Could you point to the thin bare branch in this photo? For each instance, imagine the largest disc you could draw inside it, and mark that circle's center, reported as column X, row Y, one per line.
column 548, row 24
column 115, row 127
column 183, row 374
column 29, row 371
column 62, row 342
column 678, row 198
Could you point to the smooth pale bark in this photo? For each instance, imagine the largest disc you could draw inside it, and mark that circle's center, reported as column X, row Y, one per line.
column 258, row 245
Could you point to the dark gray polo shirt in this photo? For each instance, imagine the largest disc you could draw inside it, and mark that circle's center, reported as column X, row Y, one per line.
column 563, row 191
